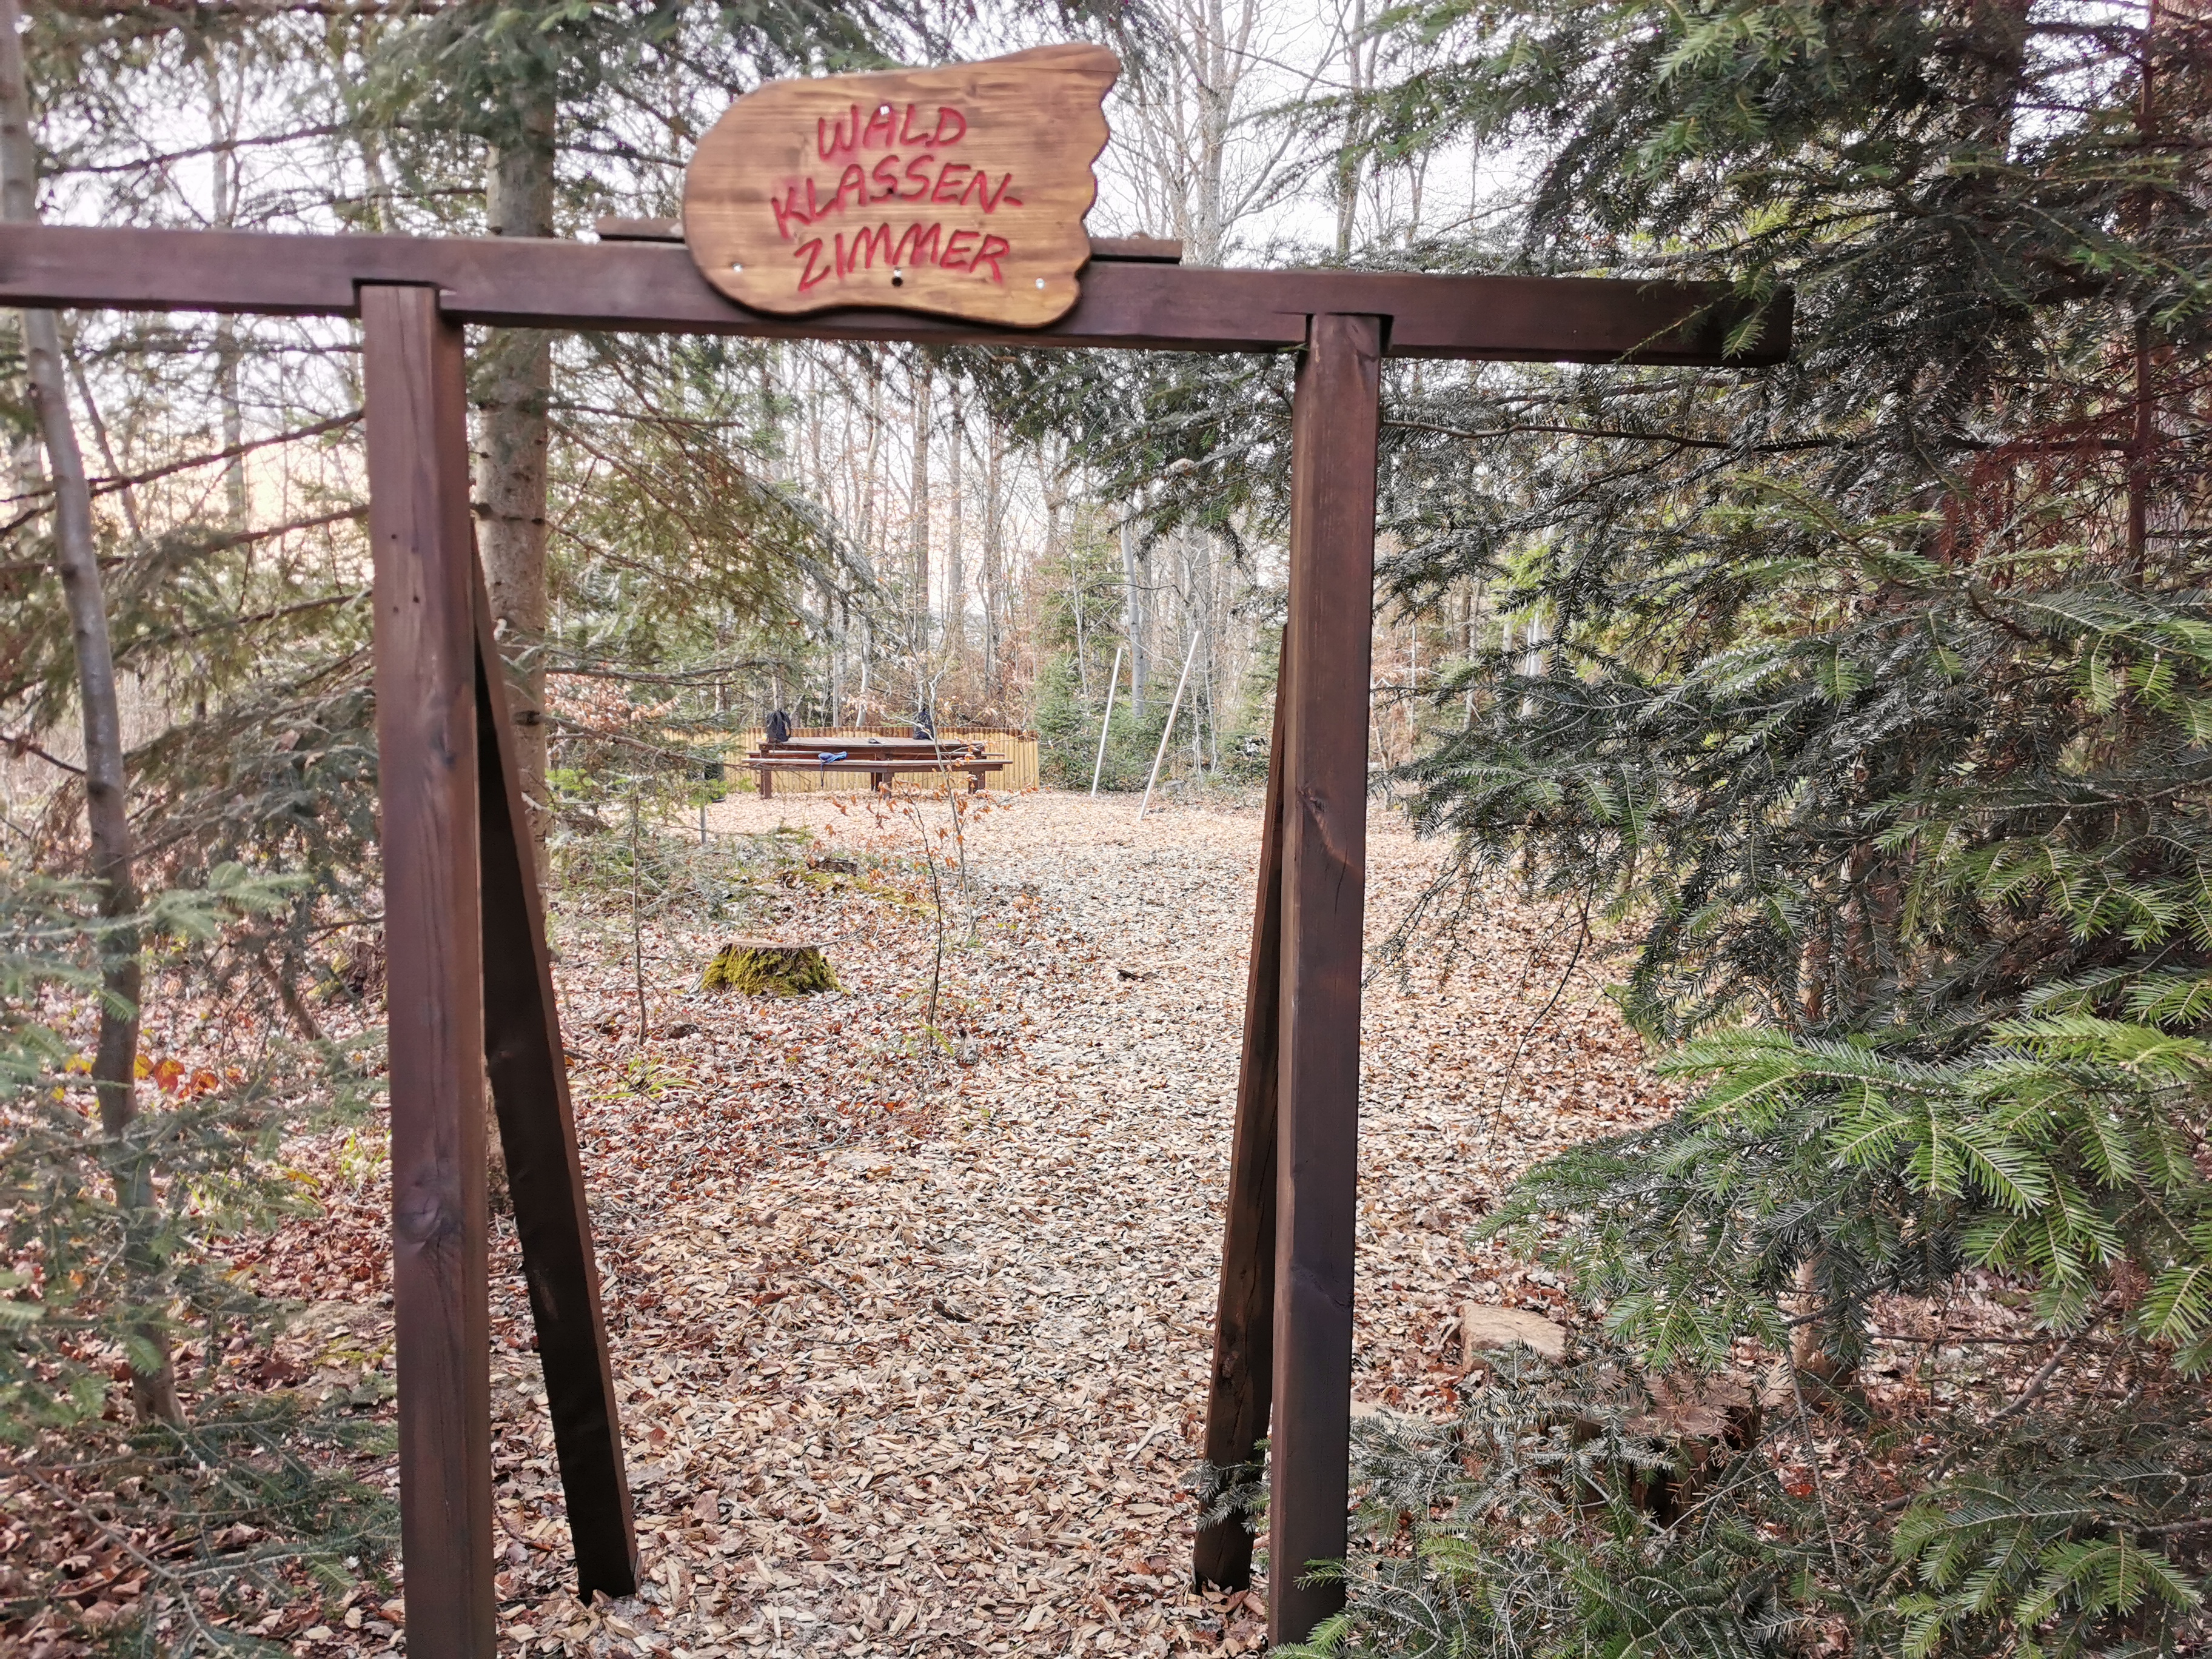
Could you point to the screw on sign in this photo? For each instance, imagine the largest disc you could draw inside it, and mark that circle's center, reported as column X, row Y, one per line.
column 959, row 190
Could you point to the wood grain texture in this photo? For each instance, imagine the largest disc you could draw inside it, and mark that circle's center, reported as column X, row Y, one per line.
column 520, row 283
column 1335, row 425
column 538, row 1132
column 1242, row 1382
column 1144, row 250
column 959, row 190
column 420, row 536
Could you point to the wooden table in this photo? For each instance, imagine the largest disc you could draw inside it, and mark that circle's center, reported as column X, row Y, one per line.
column 880, row 759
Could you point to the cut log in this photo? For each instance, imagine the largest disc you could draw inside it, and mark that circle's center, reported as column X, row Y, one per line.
column 1482, row 1326
column 762, row 968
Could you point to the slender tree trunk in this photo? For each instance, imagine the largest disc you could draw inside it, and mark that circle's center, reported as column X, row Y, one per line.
column 994, row 553
column 107, row 819
column 514, row 380
column 227, row 355
column 955, row 539
column 1133, row 596
column 918, row 532
column 1348, row 159
column 1056, row 494
column 864, row 536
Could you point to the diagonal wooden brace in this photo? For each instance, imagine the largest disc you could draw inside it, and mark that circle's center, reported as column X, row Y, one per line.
column 1243, row 1330
column 538, row 1132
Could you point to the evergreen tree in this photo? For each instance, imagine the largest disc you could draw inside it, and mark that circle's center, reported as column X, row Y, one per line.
column 1872, row 700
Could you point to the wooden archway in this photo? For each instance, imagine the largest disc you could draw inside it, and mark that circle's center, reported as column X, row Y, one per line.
column 472, row 986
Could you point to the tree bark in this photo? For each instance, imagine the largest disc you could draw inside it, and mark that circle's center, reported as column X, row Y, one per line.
column 514, row 380
column 228, row 357
column 995, row 555
column 1133, row 595
column 107, row 820
column 1057, row 494
column 918, row 531
column 956, row 528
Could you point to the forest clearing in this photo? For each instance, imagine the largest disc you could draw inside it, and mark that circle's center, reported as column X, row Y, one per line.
column 912, row 1345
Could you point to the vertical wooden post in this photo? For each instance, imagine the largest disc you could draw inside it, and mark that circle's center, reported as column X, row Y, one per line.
column 1243, row 1326
column 538, row 1130
column 1335, row 425
column 426, row 738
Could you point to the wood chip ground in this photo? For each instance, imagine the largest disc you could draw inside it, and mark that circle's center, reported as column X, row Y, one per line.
column 911, row 1339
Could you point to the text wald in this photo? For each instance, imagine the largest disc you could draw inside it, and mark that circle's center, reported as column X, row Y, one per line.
column 929, row 178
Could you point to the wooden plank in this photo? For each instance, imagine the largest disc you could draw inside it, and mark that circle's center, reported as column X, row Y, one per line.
column 1138, row 250
column 538, row 1132
column 1143, row 250
column 1335, row 425
column 520, row 282
column 1243, row 1326
column 426, row 739
column 621, row 228
column 959, row 190
column 801, row 763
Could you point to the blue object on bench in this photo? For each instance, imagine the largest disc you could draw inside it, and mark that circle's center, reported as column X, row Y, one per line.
column 827, row 756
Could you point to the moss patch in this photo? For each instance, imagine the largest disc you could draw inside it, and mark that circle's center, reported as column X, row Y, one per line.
column 757, row 968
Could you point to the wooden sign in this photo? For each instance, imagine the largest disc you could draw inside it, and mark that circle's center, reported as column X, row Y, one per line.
column 959, row 190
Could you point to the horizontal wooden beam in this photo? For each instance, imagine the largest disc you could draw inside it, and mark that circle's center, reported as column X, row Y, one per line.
column 1144, row 250
column 520, row 282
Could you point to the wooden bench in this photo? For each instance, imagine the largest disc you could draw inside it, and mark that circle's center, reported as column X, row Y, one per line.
column 881, row 758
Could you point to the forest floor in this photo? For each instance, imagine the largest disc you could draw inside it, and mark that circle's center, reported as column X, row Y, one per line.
column 910, row 1339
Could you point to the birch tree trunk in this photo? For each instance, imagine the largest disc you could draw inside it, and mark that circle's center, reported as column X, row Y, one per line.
column 106, row 805
column 514, row 380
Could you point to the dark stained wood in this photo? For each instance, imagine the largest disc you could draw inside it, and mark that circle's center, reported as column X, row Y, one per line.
column 1335, row 425
column 518, row 281
column 1243, row 1326
column 538, row 1132
column 426, row 738
column 878, row 768
column 1138, row 250
column 1141, row 250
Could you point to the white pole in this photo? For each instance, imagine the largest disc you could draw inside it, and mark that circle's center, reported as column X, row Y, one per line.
column 1104, row 724
column 1165, row 730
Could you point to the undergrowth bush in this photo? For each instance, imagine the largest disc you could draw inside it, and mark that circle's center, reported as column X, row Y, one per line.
column 1564, row 1512
column 1872, row 710
column 154, row 1537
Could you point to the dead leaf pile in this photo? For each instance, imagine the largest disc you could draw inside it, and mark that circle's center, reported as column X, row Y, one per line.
column 911, row 1334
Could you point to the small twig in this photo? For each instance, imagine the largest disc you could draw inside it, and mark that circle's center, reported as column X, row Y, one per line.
column 1513, row 1067
column 2039, row 1382
column 637, row 926
column 2196, row 1524
column 1812, row 1462
column 937, row 893
column 25, row 746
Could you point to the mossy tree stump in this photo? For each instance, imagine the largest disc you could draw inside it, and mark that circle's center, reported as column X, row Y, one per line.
column 760, row 967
